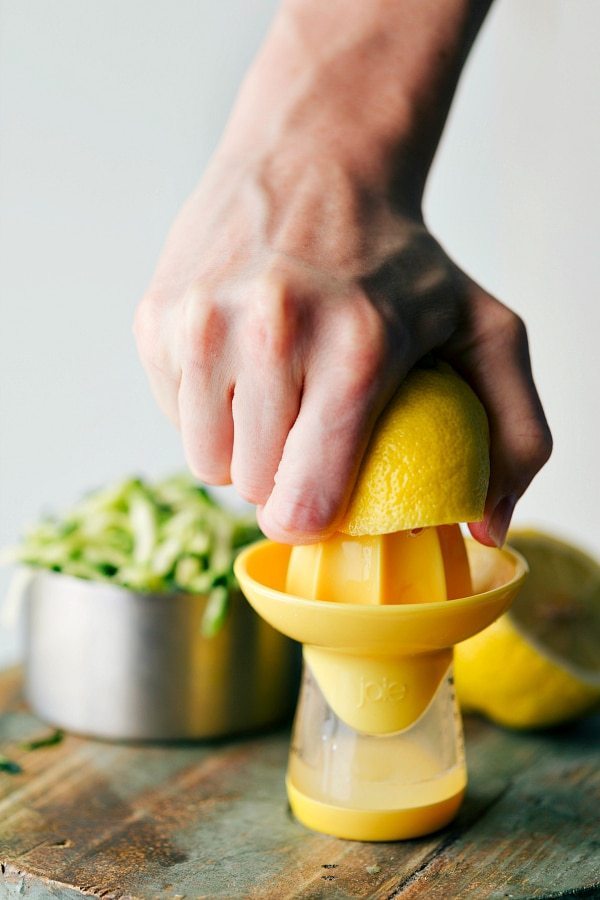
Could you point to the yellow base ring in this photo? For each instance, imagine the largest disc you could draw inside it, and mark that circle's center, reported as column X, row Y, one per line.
column 372, row 825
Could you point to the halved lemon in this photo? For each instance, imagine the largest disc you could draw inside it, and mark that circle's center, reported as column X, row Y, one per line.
column 539, row 664
column 427, row 462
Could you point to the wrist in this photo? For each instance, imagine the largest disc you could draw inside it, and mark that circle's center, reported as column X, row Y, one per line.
column 367, row 84
column 302, row 100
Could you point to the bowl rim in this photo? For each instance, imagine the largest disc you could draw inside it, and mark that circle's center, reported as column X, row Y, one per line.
column 521, row 569
column 91, row 584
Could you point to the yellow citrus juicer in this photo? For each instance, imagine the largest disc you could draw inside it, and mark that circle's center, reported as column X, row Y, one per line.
column 376, row 752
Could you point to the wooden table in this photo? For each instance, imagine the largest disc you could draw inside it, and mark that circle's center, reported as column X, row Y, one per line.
column 112, row 821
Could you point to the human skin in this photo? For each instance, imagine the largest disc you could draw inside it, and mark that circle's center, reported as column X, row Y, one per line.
column 300, row 283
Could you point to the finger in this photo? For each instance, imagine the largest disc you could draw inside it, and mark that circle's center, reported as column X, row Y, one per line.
column 319, row 465
column 264, row 410
column 340, row 405
column 496, row 362
column 206, row 425
column 267, row 392
column 206, row 390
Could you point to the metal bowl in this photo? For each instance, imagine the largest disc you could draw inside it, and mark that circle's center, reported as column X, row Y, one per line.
column 110, row 663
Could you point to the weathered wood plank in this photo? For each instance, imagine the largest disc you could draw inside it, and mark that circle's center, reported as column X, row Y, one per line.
column 211, row 821
column 17, row 884
column 376, row 870
column 540, row 840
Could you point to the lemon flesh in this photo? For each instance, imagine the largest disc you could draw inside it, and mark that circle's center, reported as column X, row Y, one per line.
column 427, row 462
column 539, row 665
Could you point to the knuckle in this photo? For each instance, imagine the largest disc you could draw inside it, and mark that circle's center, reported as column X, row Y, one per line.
column 295, row 515
column 270, row 326
column 288, row 523
column 206, row 470
column 512, row 328
column 208, row 458
column 535, row 449
column 541, row 447
column 362, row 346
column 361, row 325
column 202, row 324
column 250, row 489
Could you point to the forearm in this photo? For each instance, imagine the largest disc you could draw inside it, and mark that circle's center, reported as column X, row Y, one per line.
column 371, row 80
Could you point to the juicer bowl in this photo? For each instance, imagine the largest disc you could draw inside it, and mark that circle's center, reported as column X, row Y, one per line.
column 379, row 666
column 402, row 629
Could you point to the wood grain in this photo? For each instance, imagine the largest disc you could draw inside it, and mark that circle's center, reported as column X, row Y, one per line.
column 211, row 820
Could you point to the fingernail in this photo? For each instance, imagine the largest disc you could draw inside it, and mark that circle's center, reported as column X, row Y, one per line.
column 500, row 519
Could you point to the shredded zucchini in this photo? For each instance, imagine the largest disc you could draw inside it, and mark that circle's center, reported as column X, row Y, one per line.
column 166, row 537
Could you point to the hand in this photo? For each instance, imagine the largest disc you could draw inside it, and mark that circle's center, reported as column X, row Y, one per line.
column 297, row 287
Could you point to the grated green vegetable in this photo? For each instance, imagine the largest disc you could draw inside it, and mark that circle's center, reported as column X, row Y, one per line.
column 215, row 613
column 49, row 740
column 9, row 766
column 164, row 537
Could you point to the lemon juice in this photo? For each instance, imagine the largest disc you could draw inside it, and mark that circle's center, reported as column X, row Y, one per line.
column 335, row 764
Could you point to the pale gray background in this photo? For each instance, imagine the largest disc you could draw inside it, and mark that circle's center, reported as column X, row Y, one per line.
column 109, row 109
